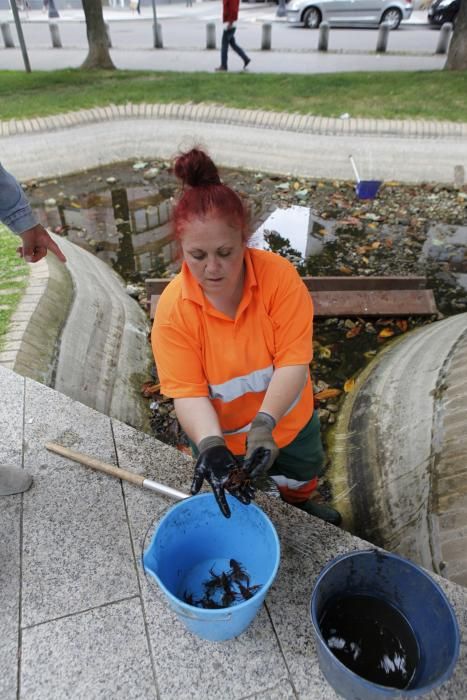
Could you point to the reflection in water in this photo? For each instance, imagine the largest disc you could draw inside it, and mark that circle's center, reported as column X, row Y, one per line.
column 448, row 245
column 306, row 232
column 125, row 263
column 126, row 227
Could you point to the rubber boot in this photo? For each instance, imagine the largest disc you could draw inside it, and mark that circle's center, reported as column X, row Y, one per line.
column 13, row 480
column 319, row 510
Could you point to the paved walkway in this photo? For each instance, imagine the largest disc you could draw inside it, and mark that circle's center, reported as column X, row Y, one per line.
column 78, row 617
column 185, row 48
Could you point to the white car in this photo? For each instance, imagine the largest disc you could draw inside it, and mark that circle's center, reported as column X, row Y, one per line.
column 340, row 12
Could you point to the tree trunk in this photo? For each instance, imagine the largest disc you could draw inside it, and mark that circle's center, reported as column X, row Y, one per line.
column 98, row 56
column 457, row 54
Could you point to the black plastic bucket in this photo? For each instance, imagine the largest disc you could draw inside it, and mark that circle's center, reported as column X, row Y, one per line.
column 414, row 594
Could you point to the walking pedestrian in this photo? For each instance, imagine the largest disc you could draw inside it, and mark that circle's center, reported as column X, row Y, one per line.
column 16, row 213
column 232, row 340
column 229, row 17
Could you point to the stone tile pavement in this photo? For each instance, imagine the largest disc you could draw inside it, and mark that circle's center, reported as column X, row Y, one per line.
column 78, row 617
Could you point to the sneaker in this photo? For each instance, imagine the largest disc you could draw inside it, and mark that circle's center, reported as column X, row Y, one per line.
column 247, row 62
column 220, row 69
column 13, row 480
column 319, row 510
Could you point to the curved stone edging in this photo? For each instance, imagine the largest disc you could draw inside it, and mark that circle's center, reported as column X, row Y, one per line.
column 388, row 440
column 449, row 493
column 217, row 114
column 53, row 291
column 104, row 352
column 77, row 330
column 63, row 151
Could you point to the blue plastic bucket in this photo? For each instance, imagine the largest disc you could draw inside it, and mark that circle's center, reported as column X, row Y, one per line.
column 413, row 593
column 191, row 539
column 367, row 189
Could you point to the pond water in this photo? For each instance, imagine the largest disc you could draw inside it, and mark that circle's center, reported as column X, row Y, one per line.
column 120, row 212
column 447, row 245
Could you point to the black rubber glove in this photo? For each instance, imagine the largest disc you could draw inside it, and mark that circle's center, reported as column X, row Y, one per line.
column 260, row 435
column 258, row 463
column 215, row 463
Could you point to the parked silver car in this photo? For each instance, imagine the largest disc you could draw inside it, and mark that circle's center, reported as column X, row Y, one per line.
column 340, row 12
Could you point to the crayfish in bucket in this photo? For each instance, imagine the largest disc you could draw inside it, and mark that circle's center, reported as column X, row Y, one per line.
column 224, row 589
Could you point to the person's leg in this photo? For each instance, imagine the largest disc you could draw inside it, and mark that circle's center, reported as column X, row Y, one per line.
column 224, row 49
column 13, row 480
column 297, row 468
column 238, row 49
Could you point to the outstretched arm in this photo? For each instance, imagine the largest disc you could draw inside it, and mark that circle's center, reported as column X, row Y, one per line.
column 16, row 213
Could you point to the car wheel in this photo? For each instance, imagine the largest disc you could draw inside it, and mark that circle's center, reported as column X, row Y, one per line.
column 393, row 16
column 312, row 18
column 437, row 20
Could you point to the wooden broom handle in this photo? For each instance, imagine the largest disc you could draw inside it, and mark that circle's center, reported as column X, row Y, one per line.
column 109, row 469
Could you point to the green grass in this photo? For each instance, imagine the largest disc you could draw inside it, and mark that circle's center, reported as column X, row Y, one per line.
column 13, row 278
column 439, row 95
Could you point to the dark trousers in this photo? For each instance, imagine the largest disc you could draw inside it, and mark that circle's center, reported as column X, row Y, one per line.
column 228, row 40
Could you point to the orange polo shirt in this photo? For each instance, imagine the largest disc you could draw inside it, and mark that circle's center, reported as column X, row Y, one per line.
column 200, row 351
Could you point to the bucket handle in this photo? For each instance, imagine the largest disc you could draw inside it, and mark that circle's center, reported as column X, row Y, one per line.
column 193, row 616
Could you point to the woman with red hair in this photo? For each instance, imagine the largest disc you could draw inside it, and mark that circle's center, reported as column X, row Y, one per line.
column 232, row 340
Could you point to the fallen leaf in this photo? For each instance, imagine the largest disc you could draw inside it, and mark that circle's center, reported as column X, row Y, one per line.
column 345, row 270
column 350, row 221
column 327, row 394
column 375, row 245
column 353, row 331
column 386, row 333
column 149, row 389
column 369, row 354
column 349, row 385
column 402, row 325
column 325, row 352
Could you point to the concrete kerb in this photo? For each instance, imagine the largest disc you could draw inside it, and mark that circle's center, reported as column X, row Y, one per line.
column 213, row 113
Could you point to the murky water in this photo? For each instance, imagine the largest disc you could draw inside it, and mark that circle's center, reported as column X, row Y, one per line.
column 120, row 212
column 113, row 213
column 447, row 245
column 372, row 639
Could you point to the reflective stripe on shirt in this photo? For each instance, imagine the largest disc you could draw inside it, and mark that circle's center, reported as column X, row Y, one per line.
column 234, row 388
column 247, row 427
column 291, row 484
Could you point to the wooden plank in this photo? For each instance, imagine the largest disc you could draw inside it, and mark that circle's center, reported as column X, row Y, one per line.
column 323, row 284
column 154, row 300
column 155, row 286
column 394, row 302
